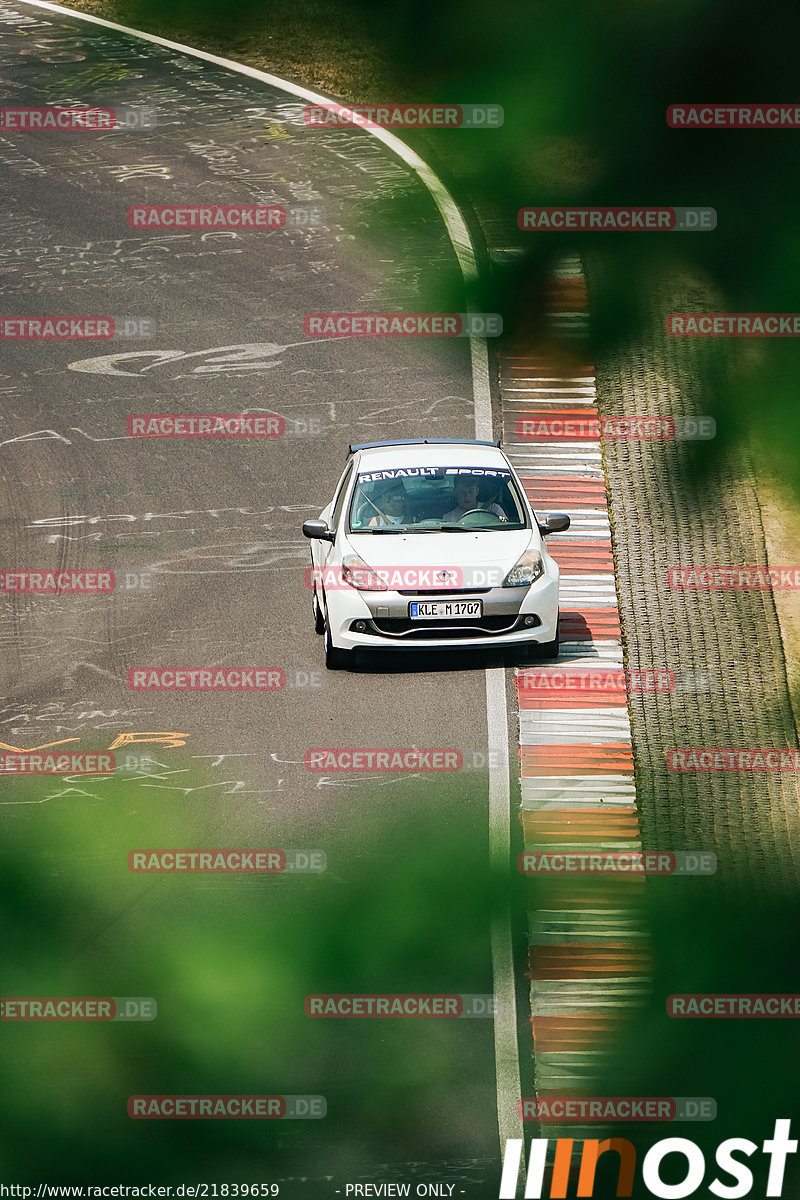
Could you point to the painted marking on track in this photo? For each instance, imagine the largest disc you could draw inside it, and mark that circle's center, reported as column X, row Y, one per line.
column 506, row 1047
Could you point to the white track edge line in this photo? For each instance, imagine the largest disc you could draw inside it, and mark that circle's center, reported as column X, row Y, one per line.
column 505, row 1025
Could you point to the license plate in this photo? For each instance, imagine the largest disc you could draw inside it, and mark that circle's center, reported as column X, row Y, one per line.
column 443, row 610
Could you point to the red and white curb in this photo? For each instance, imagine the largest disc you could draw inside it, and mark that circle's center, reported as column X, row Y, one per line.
column 587, row 959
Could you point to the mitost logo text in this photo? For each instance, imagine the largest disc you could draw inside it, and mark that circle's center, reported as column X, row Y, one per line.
column 692, row 1166
column 739, row 325
column 351, row 325
column 206, row 679
column 57, row 583
column 17, row 762
column 411, row 759
column 554, row 1107
column 224, row 425
column 734, row 578
column 733, row 759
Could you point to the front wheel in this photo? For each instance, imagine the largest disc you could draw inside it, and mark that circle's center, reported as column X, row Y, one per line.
column 335, row 659
column 319, row 616
column 546, row 649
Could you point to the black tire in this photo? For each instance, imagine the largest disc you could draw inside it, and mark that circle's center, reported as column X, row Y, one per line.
column 546, row 649
column 319, row 616
column 335, row 659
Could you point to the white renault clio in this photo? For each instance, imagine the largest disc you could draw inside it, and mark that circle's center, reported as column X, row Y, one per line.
column 431, row 544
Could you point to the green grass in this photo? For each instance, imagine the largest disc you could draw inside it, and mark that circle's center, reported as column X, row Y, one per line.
column 323, row 45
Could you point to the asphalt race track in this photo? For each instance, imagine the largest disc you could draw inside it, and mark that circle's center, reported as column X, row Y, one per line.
column 204, row 537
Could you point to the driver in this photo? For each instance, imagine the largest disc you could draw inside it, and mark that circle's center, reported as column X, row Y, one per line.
column 465, row 489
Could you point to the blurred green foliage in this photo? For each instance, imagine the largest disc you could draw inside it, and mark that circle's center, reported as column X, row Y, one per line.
column 585, row 90
column 231, row 959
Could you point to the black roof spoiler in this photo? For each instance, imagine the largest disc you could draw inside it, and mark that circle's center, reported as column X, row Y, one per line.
column 421, row 442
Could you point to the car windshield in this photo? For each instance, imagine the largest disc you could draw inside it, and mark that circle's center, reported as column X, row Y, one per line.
column 432, row 499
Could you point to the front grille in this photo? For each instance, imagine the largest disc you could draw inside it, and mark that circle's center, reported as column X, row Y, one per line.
column 446, row 594
column 463, row 627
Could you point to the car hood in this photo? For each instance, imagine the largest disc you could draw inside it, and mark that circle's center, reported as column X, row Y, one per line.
column 482, row 558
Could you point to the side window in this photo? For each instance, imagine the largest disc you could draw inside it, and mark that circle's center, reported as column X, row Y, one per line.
column 340, row 495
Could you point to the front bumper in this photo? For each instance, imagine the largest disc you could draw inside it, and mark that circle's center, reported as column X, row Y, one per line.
column 388, row 627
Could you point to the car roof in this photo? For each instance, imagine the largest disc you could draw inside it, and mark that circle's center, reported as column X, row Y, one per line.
column 444, row 454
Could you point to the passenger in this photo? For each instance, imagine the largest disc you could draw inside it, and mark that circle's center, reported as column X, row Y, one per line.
column 389, row 504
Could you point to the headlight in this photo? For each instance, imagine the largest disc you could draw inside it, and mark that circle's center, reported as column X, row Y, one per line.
column 525, row 571
column 360, row 576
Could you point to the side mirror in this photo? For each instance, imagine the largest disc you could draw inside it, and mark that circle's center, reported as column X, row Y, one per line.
column 555, row 523
column 318, row 530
